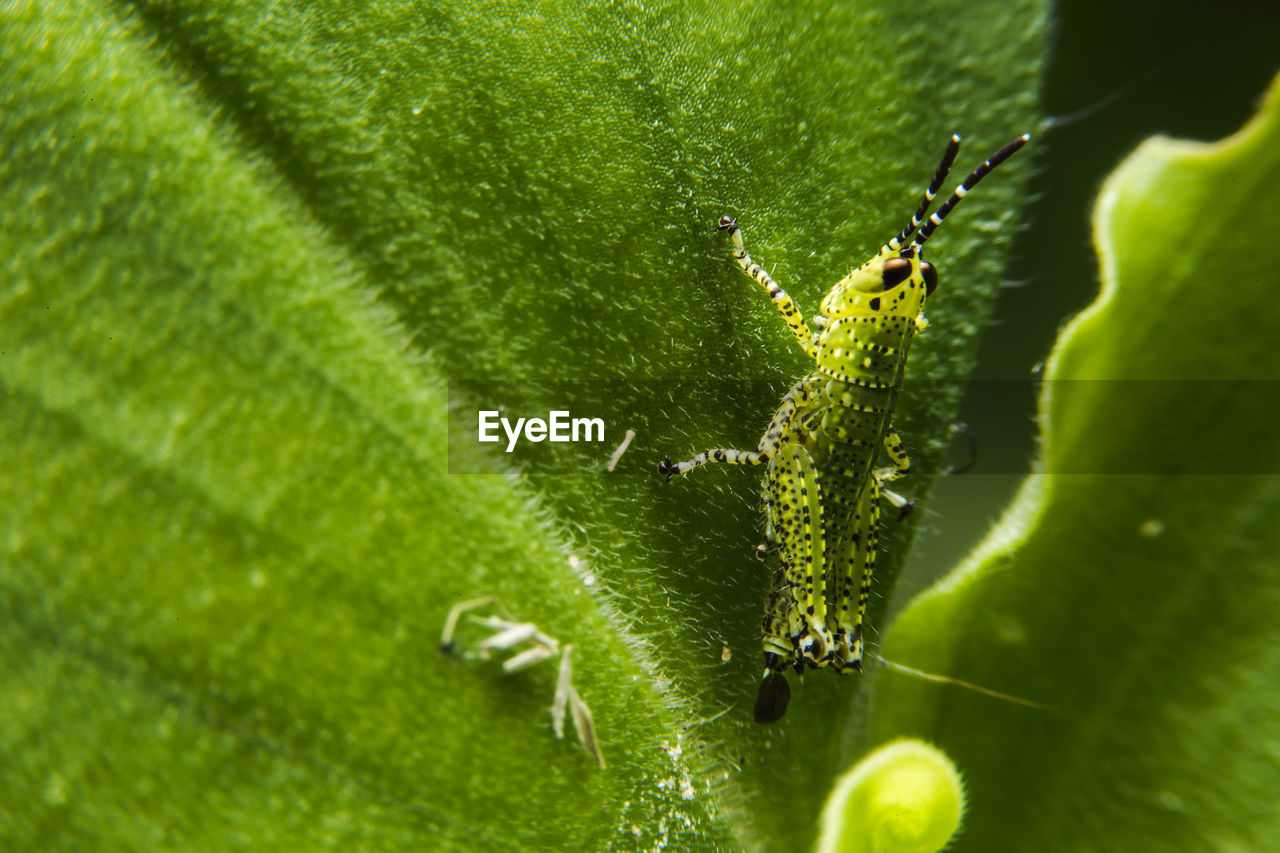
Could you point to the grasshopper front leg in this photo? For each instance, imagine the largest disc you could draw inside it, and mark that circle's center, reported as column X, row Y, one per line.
column 785, row 304
column 778, row 430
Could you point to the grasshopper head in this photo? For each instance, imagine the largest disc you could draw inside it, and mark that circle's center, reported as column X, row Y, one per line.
column 895, row 283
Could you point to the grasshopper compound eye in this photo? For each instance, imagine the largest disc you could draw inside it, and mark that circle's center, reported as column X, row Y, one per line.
column 930, row 273
column 896, row 271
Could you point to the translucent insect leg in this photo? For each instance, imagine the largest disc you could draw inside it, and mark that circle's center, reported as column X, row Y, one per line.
column 779, row 428
column 904, row 505
column 567, row 698
column 785, row 304
column 455, row 613
column 585, row 726
column 622, row 448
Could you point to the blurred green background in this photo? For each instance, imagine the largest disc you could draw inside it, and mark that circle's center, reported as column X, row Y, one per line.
column 1116, row 74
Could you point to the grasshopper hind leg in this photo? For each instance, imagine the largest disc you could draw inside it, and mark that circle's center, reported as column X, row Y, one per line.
column 856, row 556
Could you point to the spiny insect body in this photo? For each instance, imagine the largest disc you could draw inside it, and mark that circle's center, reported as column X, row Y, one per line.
column 822, row 486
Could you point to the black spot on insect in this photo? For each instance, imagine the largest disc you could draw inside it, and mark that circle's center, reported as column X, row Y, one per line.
column 874, row 304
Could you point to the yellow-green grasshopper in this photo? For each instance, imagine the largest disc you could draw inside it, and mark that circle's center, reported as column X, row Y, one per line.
column 823, row 488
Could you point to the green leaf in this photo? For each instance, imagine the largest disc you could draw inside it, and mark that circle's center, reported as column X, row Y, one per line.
column 246, row 248
column 1134, row 583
